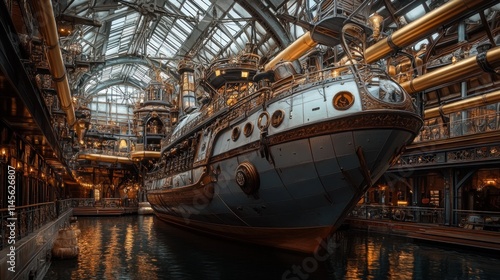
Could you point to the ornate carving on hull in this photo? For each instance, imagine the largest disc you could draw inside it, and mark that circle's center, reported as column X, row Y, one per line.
column 368, row 102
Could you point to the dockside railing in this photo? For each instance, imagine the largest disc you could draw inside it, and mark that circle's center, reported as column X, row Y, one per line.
column 21, row 221
column 467, row 219
column 399, row 213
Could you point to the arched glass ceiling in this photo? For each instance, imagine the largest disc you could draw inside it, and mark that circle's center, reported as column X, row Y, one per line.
column 159, row 31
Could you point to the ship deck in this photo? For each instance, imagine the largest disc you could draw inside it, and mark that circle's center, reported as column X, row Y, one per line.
column 449, row 235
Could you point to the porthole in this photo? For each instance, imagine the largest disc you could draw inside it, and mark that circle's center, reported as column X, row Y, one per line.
column 248, row 129
column 236, row 133
column 343, row 100
column 277, row 118
column 264, row 120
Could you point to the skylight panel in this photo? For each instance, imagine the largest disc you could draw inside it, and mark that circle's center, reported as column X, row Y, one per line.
column 203, row 4
column 238, row 11
column 232, row 27
column 188, row 9
column 414, row 14
column 186, row 26
column 176, row 3
column 179, row 33
column 214, row 46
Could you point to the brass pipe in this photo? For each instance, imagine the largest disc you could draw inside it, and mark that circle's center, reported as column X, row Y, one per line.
column 480, row 100
column 420, row 28
column 145, row 154
column 48, row 28
column 293, row 51
column 459, row 71
column 105, row 158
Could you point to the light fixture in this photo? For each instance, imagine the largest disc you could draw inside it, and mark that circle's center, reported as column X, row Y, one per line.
column 244, row 74
column 217, row 73
column 376, row 23
column 4, row 155
column 64, row 28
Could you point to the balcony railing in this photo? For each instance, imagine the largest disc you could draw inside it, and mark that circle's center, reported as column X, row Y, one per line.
column 399, row 213
column 104, row 202
column 478, row 220
column 24, row 220
column 468, row 126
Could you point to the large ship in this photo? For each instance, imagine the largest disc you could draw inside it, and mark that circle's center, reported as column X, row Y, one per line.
column 276, row 156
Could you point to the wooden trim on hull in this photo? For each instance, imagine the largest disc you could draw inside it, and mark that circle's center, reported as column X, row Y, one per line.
column 306, row 240
column 194, row 194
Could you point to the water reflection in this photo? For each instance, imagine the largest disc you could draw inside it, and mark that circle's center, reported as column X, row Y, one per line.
column 142, row 247
column 373, row 256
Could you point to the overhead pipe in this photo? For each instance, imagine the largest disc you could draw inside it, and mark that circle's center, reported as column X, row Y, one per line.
column 48, row 28
column 421, row 27
column 138, row 155
column 294, row 51
column 480, row 100
column 461, row 70
column 105, row 158
column 397, row 40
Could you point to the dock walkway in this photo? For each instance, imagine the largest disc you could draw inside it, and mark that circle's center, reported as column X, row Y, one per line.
column 473, row 238
column 104, row 211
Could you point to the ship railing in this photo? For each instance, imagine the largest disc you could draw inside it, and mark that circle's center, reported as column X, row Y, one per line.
column 251, row 100
column 28, row 219
column 432, row 215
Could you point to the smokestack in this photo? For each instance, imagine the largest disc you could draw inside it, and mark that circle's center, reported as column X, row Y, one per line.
column 187, row 95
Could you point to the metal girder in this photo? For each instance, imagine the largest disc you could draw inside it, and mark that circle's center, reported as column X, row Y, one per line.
column 123, row 60
column 267, row 19
column 201, row 28
column 109, row 83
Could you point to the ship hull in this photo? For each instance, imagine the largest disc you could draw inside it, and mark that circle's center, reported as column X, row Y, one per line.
column 307, row 184
column 304, row 240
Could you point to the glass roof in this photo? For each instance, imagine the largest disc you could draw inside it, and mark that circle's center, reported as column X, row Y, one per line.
column 160, row 33
column 129, row 42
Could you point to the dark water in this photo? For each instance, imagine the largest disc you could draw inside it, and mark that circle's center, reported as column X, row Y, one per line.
column 143, row 247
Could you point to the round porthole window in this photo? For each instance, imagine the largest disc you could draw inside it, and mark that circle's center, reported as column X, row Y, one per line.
column 277, row 118
column 248, row 129
column 343, row 100
column 236, row 133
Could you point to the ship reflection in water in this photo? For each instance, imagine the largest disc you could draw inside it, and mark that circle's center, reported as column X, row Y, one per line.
column 143, row 247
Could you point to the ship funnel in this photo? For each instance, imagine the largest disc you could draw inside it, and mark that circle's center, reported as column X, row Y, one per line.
column 187, row 95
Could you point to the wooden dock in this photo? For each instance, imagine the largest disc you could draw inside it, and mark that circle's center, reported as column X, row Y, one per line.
column 473, row 238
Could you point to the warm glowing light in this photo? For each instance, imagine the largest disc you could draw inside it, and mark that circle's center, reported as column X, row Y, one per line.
column 244, row 74
column 217, row 73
